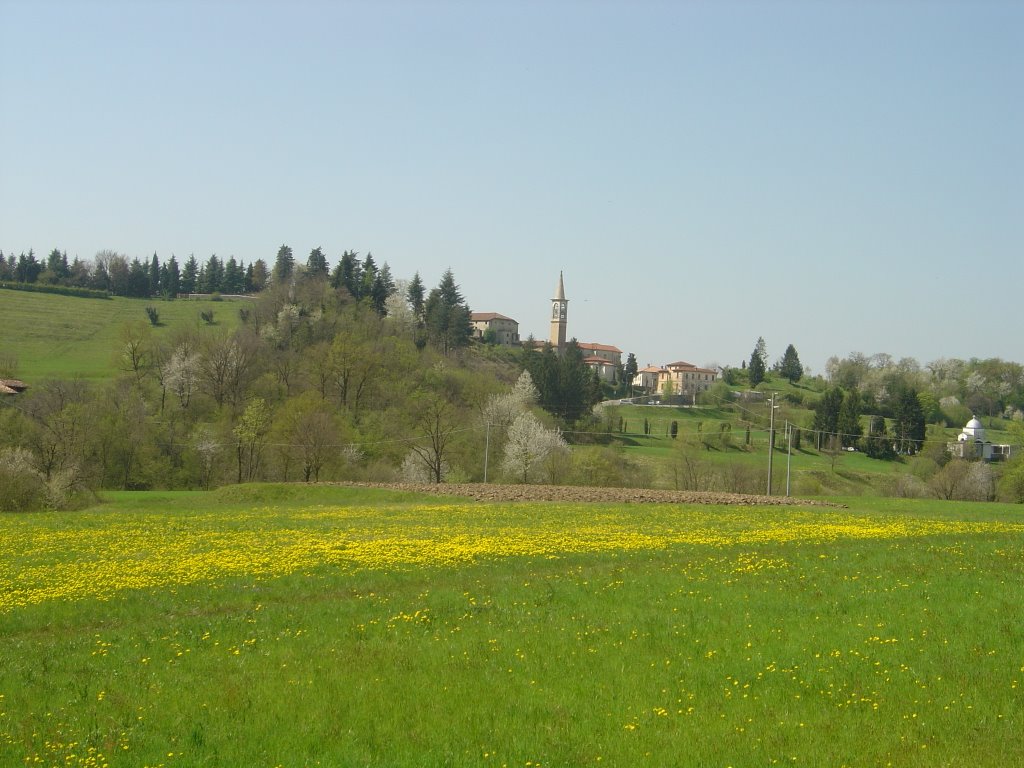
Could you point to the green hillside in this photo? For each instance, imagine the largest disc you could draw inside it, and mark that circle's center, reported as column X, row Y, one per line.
column 53, row 336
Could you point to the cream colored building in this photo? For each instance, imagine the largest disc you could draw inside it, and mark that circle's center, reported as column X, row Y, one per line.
column 506, row 330
column 647, row 378
column 686, row 379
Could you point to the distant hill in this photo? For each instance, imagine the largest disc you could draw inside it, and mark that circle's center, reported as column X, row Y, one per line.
column 54, row 336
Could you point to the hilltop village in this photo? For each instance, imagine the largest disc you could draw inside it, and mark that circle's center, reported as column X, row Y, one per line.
column 679, row 379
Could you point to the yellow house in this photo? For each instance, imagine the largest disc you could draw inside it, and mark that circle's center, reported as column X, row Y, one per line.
column 685, row 379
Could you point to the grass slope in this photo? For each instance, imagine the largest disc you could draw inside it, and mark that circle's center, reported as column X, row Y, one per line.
column 55, row 336
column 354, row 628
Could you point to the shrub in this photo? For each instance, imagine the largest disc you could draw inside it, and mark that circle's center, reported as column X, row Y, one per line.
column 1011, row 484
column 207, row 316
column 153, row 315
column 21, row 487
column 907, row 486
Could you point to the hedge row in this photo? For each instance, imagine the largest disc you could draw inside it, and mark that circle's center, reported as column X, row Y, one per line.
column 63, row 290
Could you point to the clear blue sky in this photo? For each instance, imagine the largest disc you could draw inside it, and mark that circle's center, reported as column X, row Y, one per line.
column 842, row 176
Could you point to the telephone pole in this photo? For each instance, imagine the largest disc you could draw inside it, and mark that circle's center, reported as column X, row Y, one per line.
column 771, row 439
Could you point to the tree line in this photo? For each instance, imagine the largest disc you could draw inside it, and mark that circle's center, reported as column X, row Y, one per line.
column 347, row 374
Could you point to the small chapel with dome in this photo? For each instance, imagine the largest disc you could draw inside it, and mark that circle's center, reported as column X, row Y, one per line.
column 972, row 443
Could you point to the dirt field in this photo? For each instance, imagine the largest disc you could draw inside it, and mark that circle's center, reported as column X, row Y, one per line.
column 565, row 493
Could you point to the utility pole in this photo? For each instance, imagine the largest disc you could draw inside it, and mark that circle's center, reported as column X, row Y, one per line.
column 487, row 449
column 789, row 453
column 771, row 439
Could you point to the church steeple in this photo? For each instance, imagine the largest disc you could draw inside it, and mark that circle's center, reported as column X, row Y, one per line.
column 559, row 316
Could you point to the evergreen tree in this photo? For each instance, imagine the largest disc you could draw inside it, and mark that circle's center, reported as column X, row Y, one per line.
column 908, row 420
column 53, row 261
column 415, row 295
column 848, row 424
column 877, row 444
column 383, row 287
column 348, row 274
column 283, row 266
column 213, row 274
column 756, row 368
column 260, row 276
column 790, row 367
column 316, row 264
column 138, row 280
column 568, row 387
column 79, row 273
column 172, row 282
column 826, row 412
column 447, row 315
column 234, row 277
column 154, row 276
column 27, row 269
column 100, row 277
column 369, row 275
column 57, row 265
column 190, row 275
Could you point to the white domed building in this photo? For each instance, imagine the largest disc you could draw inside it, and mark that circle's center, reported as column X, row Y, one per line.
column 972, row 443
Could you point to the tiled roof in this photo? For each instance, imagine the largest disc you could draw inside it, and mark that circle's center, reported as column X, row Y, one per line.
column 690, row 367
column 598, row 347
column 483, row 317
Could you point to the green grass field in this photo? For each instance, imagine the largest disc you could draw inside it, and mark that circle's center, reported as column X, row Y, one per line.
column 812, row 472
column 270, row 625
column 65, row 337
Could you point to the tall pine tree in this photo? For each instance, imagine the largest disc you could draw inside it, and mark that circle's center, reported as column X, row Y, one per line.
column 756, row 368
column 790, row 367
column 447, row 315
column 190, row 275
column 283, row 266
column 848, row 426
column 316, row 265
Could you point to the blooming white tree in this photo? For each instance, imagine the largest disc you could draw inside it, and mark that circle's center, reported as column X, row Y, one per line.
column 528, row 446
column 501, row 410
column 181, row 374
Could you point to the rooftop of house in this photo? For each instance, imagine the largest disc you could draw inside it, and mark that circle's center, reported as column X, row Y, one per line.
column 483, row 317
column 683, row 365
column 589, row 347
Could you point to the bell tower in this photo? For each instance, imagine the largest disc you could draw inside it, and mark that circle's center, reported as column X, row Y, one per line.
column 559, row 311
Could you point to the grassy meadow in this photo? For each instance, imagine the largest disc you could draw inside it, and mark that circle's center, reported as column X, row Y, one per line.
column 63, row 337
column 290, row 626
column 812, row 472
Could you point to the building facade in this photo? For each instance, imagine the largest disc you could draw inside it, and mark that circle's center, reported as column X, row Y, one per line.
column 679, row 379
column 647, row 378
column 505, row 330
column 603, row 358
